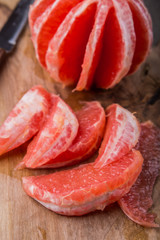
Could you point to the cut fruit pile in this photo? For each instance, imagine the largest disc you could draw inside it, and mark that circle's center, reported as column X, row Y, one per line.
column 90, row 42
column 63, row 138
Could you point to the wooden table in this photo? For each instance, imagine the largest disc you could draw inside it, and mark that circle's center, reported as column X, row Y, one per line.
column 21, row 218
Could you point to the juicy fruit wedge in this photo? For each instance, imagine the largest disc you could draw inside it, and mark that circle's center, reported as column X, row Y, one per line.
column 56, row 135
column 48, row 24
column 143, row 30
column 36, row 9
column 86, row 188
column 136, row 203
column 25, row 119
column 122, row 134
column 91, row 120
column 118, row 46
column 94, row 46
column 66, row 50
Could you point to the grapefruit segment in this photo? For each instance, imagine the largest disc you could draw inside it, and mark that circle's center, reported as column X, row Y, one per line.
column 94, row 46
column 25, row 119
column 66, row 49
column 122, row 134
column 36, row 10
column 86, row 188
column 136, row 203
column 143, row 30
column 48, row 24
column 56, row 135
column 91, row 120
column 118, row 46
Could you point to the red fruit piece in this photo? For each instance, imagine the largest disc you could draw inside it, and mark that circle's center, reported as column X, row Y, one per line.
column 136, row 203
column 121, row 136
column 143, row 30
column 36, row 10
column 91, row 120
column 56, row 135
column 118, row 46
column 25, row 119
column 66, row 50
column 94, row 46
column 88, row 187
column 48, row 24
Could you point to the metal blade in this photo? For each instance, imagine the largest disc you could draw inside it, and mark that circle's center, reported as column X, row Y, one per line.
column 13, row 27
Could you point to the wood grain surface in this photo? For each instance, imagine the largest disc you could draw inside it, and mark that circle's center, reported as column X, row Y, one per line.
column 21, row 218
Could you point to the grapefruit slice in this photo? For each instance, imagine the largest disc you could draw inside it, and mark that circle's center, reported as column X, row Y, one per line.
column 48, row 24
column 66, row 50
column 136, row 203
column 36, row 10
column 56, row 135
column 91, row 120
column 118, row 46
column 143, row 30
column 86, row 188
column 25, row 119
column 121, row 136
column 94, row 46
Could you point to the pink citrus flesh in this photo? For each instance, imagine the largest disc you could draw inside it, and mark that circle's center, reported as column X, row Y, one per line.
column 88, row 187
column 66, row 49
column 121, row 135
column 25, row 120
column 48, row 24
column 118, row 46
column 143, row 30
column 138, row 200
column 36, row 10
column 55, row 136
column 94, row 46
column 91, row 120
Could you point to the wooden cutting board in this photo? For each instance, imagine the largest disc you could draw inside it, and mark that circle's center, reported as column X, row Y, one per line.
column 21, row 218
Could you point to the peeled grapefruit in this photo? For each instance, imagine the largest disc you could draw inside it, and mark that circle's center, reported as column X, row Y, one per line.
column 55, row 136
column 90, row 41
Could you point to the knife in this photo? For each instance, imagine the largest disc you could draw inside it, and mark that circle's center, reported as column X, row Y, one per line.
column 13, row 27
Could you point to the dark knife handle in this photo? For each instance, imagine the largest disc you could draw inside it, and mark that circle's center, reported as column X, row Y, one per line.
column 2, row 55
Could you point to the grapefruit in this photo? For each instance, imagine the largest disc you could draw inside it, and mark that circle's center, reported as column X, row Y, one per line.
column 138, row 200
column 25, row 120
column 113, row 39
column 55, row 136
column 88, row 187
column 94, row 46
column 36, row 9
column 91, row 120
column 143, row 30
column 118, row 46
column 67, row 47
column 122, row 134
column 47, row 25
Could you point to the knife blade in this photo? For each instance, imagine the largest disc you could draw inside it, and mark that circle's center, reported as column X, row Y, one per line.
column 13, row 27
